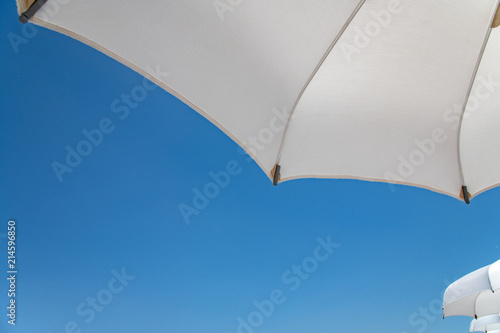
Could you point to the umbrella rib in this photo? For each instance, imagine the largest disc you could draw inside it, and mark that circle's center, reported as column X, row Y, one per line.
column 31, row 11
column 313, row 74
column 475, row 303
column 489, row 280
column 469, row 91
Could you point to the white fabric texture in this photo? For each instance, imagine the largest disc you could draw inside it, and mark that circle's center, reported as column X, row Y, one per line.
column 298, row 83
column 485, row 324
column 474, row 294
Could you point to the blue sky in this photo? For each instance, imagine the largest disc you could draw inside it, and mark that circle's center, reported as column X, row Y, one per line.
column 111, row 230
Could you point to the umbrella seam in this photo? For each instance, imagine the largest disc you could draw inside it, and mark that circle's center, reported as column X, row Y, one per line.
column 315, row 71
column 489, row 279
column 475, row 302
column 469, row 91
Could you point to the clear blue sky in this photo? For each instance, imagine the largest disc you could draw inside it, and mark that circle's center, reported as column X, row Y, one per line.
column 119, row 209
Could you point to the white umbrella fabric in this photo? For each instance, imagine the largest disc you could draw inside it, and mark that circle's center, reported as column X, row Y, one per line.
column 476, row 295
column 399, row 91
column 488, row 324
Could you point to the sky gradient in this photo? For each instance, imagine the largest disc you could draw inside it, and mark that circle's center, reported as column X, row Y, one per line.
column 105, row 248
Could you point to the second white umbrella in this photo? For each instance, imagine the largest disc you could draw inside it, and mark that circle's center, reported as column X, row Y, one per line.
column 488, row 324
column 474, row 294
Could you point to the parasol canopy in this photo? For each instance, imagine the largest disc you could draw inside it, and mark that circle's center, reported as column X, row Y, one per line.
column 399, row 91
column 488, row 324
column 475, row 295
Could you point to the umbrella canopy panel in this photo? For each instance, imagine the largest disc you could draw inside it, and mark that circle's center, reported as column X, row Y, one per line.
column 371, row 90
